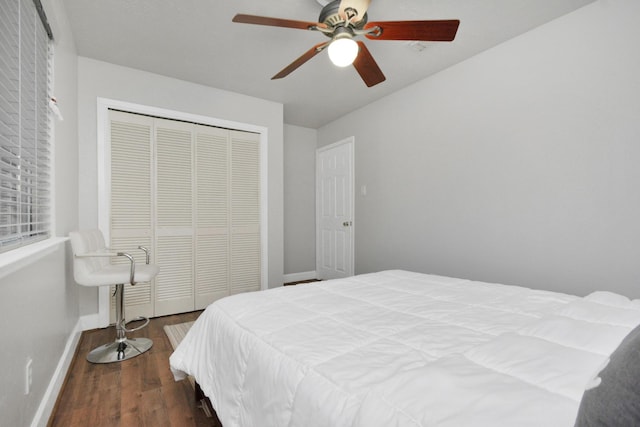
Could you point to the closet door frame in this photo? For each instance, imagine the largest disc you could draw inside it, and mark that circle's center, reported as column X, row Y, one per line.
column 104, row 177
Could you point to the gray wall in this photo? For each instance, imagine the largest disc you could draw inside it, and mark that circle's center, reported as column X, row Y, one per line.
column 518, row 166
column 39, row 303
column 299, row 199
column 101, row 79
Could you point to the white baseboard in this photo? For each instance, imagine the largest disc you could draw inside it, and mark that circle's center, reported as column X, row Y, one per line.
column 48, row 401
column 298, row 277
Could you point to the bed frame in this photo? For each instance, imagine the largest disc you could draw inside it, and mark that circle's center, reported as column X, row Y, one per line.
column 203, row 401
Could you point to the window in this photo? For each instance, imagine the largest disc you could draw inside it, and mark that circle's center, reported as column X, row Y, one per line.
column 25, row 148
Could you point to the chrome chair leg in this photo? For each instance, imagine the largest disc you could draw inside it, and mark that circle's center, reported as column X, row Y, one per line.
column 122, row 348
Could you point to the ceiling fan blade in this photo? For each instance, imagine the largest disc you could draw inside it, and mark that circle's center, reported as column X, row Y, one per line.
column 276, row 22
column 359, row 7
column 367, row 67
column 298, row 62
column 428, row 31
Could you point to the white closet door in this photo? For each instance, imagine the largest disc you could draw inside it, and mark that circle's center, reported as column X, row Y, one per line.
column 174, row 217
column 131, row 201
column 245, row 212
column 191, row 193
column 212, row 215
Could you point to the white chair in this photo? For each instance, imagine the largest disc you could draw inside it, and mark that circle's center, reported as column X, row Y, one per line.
column 92, row 267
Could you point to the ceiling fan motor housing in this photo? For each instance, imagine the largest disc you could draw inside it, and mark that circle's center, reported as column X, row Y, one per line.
column 330, row 16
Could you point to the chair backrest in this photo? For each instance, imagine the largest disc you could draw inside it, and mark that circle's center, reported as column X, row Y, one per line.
column 83, row 242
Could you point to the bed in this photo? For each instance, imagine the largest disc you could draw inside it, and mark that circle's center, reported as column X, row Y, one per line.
column 398, row 348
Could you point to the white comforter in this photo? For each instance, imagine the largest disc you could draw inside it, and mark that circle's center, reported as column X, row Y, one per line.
column 402, row 349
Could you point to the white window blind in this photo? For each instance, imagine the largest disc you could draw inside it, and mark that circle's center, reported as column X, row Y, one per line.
column 25, row 149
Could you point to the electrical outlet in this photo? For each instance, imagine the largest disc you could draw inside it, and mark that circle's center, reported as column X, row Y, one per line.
column 28, row 376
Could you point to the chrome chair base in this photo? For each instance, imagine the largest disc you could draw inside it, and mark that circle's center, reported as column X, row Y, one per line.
column 118, row 351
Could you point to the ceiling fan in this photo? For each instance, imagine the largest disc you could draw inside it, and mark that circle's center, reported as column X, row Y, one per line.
column 344, row 20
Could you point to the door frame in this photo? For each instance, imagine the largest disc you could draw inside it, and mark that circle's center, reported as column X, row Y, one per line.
column 104, row 178
column 350, row 141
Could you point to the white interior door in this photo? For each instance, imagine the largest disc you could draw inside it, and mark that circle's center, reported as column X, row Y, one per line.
column 130, row 225
column 174, row 229
column 334, row 210
column 192, row 194
column 212, row 215
column 245, row 249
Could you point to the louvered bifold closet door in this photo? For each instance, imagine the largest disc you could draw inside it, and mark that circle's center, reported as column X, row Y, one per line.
column 212, row 215
column 131, row 202
column 174, row 217
column 245, row 212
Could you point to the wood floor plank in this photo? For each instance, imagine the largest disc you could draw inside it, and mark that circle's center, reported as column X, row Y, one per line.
column 108, row 407
column 81, row 416
column 176, row 399
column 137, row 392
column 153, row 408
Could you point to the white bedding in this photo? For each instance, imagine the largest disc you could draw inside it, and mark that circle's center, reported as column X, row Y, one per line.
column 402, row 349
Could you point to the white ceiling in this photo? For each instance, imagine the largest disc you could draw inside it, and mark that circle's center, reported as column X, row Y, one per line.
column 195, row 40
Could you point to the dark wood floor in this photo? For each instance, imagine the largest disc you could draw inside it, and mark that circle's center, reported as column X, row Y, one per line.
column 137, row 392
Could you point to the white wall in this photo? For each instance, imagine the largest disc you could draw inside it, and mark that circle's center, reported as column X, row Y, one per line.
column 99, row 79
column 39, row 303
column 299, row 199
column 519, row 165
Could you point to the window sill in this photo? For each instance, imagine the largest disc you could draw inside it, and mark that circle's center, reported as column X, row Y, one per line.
column 16, row 259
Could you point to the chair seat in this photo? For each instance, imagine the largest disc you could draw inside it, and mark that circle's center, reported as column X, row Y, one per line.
column 113, row 274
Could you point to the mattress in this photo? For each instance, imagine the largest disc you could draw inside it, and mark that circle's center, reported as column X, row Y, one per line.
column 398, row 348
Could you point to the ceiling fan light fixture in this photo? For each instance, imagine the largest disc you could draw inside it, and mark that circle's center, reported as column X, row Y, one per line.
column 343, row 51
